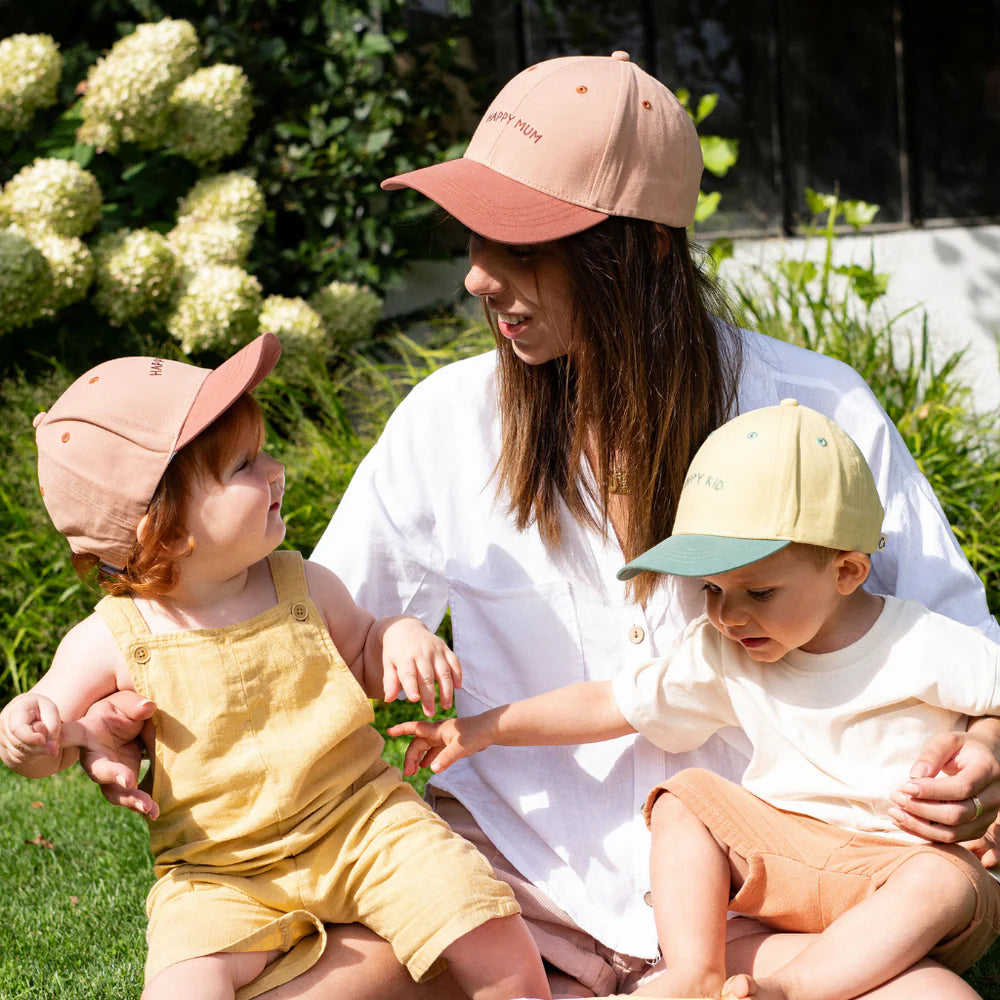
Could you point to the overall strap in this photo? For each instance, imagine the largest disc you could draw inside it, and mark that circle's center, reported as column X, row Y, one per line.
column 122, row 618
column 288, row 572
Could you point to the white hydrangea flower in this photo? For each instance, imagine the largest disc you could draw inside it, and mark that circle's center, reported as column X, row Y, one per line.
column 25, row 280
column 349, row 311
column 128, row 90
column 71, row 266
column 230, row 197
column 55, row 195
column 217, row 309
column 30, row 69
column 210, row 114
column 212, row 241
column 135, row 271
column 304, row 342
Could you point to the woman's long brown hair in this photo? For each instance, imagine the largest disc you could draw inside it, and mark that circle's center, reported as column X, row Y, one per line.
column 649, row 375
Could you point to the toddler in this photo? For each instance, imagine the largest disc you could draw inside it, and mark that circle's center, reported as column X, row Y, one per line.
column 836, row 688
column 272, row 811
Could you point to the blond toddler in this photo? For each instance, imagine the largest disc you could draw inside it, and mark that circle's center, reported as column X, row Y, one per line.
column 837, row 690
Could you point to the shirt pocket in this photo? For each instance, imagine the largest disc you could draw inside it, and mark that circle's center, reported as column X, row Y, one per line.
column 516, row 643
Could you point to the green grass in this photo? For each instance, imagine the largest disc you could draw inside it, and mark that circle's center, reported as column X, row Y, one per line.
column 74, row 876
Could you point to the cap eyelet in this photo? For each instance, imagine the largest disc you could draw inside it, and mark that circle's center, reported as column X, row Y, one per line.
column 581, row 89
column 647, row 105
column 752, row 435
column 41, row 489
column 65, row 437
column 96, row 378
column 821, row 442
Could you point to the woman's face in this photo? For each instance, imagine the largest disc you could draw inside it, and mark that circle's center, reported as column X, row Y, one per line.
column 528, row 289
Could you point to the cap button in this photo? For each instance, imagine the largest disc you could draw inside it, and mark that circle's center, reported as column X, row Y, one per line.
column 789, row 402
column 39, row 417
column 620, row 55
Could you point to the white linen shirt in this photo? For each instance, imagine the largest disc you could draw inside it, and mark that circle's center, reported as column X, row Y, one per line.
column 420, row 530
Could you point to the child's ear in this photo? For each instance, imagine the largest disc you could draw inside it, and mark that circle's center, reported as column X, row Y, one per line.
column 176, row 547
column 852, row 570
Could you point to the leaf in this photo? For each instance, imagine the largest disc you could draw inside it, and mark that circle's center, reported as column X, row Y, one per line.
column 867, row 284
column 859, row 213
column 718, row 153
column 377, row 141
column 41, row 841
column 707, row 204
column 706, row 106
column 820, row 204
column 798, row 272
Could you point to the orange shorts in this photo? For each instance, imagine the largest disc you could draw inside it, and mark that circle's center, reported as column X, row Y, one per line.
column 572, row 956
column 804, row 873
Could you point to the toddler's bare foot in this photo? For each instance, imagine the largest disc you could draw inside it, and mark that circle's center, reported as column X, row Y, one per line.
column 744, row 987
column 678, row 983
column 739, row 987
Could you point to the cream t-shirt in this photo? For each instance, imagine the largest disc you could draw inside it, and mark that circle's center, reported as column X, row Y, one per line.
column 833, row 734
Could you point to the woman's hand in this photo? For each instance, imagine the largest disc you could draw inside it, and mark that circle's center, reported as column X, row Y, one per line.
column 112, row 751
column 954, row 790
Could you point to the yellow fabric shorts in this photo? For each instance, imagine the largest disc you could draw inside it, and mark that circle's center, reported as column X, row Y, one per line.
column 398, row 869
column 804, row 873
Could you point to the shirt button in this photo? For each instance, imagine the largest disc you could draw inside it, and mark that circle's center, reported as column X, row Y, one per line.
column 141, row 654
column 300, row 612
column 636, row 634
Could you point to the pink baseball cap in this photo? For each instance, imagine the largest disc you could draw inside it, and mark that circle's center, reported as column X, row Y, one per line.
column 107, row 440
column 565, row 144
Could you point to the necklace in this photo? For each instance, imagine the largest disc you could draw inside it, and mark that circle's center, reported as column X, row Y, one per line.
column 617, row 482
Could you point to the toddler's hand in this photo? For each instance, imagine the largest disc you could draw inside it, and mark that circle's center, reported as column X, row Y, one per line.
column 413, row 659
column 438, row 745
column 30, row 728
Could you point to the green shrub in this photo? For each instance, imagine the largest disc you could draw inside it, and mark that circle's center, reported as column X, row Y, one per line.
column 313, row 107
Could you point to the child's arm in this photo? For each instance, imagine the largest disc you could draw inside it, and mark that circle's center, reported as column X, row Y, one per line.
column 385, row 654
column 578, row 713
column 39, row 731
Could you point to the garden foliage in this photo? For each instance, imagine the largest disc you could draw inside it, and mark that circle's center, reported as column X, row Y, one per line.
column 310, row 108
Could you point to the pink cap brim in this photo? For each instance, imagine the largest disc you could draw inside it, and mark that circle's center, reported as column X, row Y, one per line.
column 493, row 205
column 245, row 370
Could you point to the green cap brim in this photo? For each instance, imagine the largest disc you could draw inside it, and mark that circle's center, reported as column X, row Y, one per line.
column 701, row 555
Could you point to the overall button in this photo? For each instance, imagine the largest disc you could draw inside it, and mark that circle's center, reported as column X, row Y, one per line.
column 141, row 654
column 300, row 612
column 636, row 634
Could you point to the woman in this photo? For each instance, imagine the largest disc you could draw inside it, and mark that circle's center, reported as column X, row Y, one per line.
column 510, row 488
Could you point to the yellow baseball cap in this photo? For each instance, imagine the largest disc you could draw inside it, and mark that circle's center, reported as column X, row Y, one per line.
column 767, row 478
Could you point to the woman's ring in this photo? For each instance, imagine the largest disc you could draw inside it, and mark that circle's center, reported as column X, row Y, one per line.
column 979, row 807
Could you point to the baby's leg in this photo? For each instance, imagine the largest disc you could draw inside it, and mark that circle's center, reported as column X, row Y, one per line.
column 212, row 977
column 690, row 877
column 498, row 960
column 925, row 900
